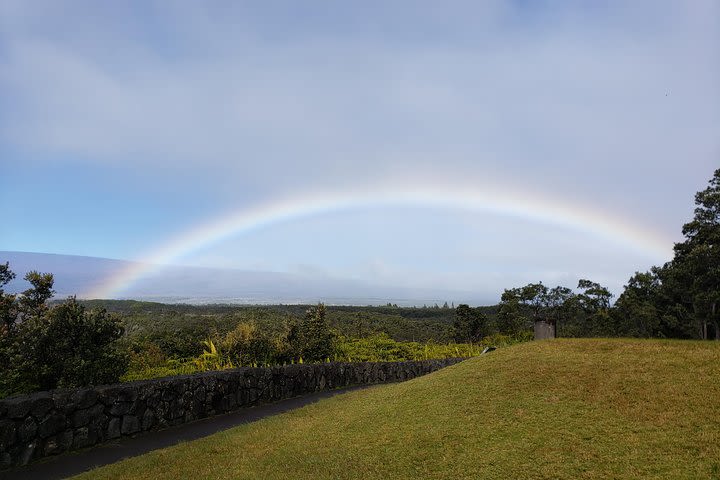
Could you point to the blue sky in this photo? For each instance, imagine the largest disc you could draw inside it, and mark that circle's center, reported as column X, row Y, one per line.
column 126, row 124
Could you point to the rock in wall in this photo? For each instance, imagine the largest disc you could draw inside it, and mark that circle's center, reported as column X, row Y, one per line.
column 49, row 423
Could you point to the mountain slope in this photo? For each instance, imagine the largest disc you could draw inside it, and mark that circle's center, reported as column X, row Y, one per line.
column 77, row 275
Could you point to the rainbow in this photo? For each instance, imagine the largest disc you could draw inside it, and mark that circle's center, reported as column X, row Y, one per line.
column 522, row 205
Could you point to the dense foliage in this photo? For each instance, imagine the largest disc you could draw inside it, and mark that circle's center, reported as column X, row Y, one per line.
column 586, row 313
column 469, row 324
column 311, row 338
column 44, row 347
column 262, row 336
column 689, row 295
column 68, row 347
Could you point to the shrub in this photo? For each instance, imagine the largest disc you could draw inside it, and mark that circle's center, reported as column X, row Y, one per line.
column 312, row 339
column 66, row 346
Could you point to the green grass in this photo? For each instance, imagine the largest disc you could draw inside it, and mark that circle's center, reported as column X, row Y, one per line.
column 555, row 409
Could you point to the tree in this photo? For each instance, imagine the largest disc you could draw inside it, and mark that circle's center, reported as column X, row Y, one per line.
column 63, row 346
column 312, row 339
column 594, row 302
column 469, row 324
column 636, row 309
column 594, row 296
column 555, row 303
column 8, row 315
column 520, row 307
column 32, row 301
column 359, row 322
column 8, row 312
column 693, row 276
column 69, row 346
column 681, row 298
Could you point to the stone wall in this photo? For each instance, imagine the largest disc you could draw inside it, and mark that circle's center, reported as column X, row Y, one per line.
column 49, row 423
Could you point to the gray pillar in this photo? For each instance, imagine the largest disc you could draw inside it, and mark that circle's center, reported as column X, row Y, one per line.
column 544, row 330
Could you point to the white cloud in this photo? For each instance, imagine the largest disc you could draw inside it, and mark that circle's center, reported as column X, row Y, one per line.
column 569, row 99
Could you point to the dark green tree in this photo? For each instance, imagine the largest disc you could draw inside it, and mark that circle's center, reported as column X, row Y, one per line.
column 32, row 302
column 8, row 308
column 555, row 302
column 68, row 347
column 692, row 279
column 469, row 324
column 63, row 346
column 521, row 307
column 636, row 310
column 594, row 305
column 510, row 318
column 8, row 316
column 681, row 298
column 311, row 339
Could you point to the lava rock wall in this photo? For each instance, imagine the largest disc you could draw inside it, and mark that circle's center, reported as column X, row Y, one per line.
column 48, row 423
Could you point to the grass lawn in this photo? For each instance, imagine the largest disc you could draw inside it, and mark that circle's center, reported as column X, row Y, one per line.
column 554, row 409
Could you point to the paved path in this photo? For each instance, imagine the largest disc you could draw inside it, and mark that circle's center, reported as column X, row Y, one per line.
column 70, row 464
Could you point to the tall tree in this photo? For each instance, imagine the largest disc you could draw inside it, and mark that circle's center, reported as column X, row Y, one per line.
column 32, row 301
column 520, row 307
column 312, row 339
column 556, row 303
column 693, row 276
column 8, row 312
column 636, row 309
column 594, row 303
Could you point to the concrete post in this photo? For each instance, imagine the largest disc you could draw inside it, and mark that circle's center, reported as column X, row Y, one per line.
column 544, row 330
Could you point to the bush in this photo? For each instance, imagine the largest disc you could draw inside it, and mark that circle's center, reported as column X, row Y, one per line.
column 247, row 345
column 377, row 348
column 66, row 346
column 311, row 339
column 382, row 348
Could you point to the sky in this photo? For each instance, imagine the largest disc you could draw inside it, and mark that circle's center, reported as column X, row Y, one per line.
column 579, row 133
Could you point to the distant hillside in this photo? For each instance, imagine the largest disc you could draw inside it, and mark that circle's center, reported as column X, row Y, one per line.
column 74, row 274
column 77, row 275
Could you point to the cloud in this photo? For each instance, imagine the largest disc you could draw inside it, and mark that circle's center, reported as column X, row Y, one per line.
column 613, row 105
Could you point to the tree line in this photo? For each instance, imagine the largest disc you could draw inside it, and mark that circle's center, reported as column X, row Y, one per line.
column 680, row 299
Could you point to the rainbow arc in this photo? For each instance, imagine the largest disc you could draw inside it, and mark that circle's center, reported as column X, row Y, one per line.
column 622, row 232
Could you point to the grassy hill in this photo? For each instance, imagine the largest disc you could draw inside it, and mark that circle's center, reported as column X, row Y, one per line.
column 558, row 409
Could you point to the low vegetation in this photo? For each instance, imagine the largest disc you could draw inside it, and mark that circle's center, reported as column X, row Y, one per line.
column 567, row 409
column 70, row 344
column 376, row 348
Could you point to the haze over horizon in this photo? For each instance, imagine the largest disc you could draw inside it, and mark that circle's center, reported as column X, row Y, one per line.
column 464, row 147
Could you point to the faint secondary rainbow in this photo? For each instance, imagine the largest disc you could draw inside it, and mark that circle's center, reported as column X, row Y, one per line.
column 499, row 202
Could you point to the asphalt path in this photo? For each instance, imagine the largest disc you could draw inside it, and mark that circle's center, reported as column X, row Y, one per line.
column 73, row 463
